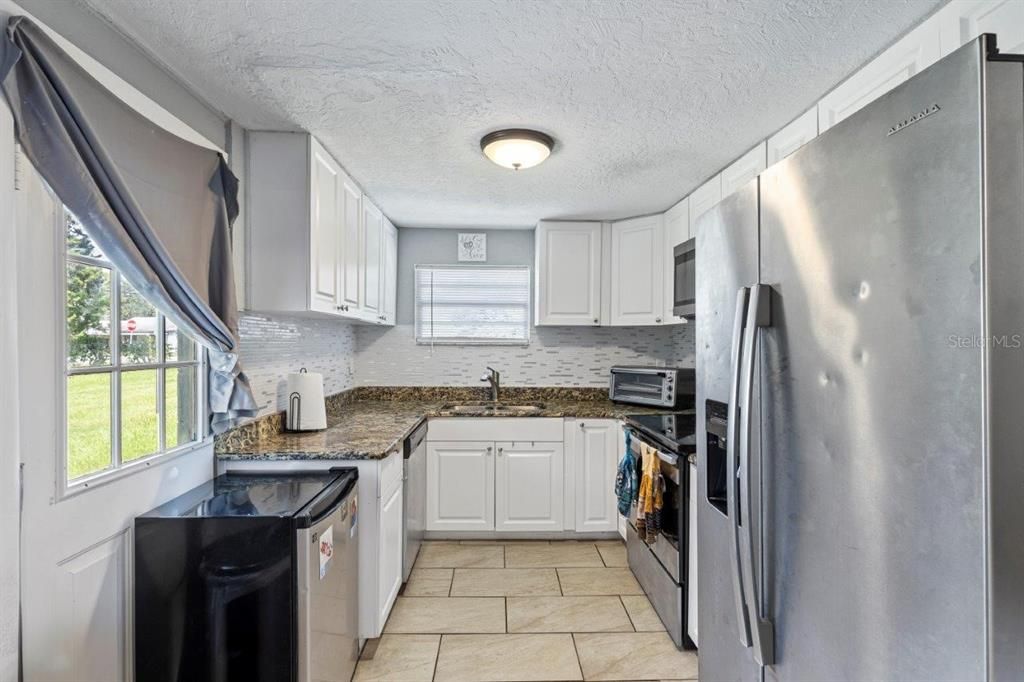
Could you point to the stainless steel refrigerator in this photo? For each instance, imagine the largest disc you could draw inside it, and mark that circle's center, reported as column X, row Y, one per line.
column 860, row 369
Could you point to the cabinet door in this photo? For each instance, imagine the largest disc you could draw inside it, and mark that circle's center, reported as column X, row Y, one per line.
column 390, row 271
column 325, row 230
column 460, row 486
column 793, row 136
column 529, row 482
column 351, row 246
column 966, row 20
column 373, row 232
column 390, row 564
column 637, row 275
column 912, row 54
column 596, row 447
column 703, row 198
column 568, row 286
column 677, row 231
column 743, row 170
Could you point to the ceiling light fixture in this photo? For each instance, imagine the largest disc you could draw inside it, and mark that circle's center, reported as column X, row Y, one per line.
column 516, row 148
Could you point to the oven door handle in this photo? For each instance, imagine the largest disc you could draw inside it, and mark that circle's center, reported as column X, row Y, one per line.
column 732, row 469
column 762, row 632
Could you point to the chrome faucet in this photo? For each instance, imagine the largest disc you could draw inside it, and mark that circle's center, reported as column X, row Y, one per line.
column 494, row 377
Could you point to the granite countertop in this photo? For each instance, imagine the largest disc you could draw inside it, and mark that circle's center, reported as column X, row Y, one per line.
column 370, row 423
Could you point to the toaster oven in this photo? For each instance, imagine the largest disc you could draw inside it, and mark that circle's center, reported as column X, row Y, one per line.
column 657, row 386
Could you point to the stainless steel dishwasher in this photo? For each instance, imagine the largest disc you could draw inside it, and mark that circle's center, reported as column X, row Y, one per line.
column 414, row 496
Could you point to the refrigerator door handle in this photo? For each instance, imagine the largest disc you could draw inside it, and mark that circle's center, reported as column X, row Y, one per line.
column 762, row 632
column 731, row 442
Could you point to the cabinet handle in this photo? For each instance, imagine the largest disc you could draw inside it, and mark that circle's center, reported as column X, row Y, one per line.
column 501, row 451
column 596, row 320
column 582, row 425
column 658, row 320
column 488, row 449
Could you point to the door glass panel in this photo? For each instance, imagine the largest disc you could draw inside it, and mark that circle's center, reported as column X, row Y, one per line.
column 88, row 432
column 138, row 327
column 139, row 419
column 179, row 406
column 88, row 315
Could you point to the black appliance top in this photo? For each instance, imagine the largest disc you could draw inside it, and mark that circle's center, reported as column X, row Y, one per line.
column 676, row 431
column 261, row 495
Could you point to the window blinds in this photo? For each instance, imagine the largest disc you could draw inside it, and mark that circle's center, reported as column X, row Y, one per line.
column 472, row 304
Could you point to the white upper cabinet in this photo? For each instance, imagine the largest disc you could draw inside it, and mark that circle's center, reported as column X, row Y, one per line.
column 373, row 234
column 964, row 20
column 744, row 169
column 637, row 271
column 529, row 486
column 793, row 136
column 325, row 230
column 314, row 242
column 390, row 271
column 704, row 197
column 912, row 54
column 568, row 271
column 677, row 231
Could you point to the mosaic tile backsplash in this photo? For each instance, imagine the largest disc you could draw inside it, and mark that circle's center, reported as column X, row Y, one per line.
column 274, row 346
column 556, row 356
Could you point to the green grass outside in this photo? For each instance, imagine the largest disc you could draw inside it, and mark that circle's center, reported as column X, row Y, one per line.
column 88, row 402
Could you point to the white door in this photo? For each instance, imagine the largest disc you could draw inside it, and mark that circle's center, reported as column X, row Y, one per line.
column 529, row 484
column 390, row 566
column 967, row 19
column 460, row 486
column 373, row 229
column 390, row 271
column 637, row 271
column 703, row 198
column 744, row 169
column 568, row 273
column 351, row 246
column 596, row 447
column 677, row 231
column 76, row 546
column 912, row 54
column 325, row 230
column 793, row 136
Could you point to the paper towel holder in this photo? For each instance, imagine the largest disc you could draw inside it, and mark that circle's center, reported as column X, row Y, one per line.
column 293, row 416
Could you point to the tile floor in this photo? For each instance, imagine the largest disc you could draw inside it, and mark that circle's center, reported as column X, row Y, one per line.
column 483, row 611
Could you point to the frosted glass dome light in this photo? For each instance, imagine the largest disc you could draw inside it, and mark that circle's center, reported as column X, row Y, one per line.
column 517, row 148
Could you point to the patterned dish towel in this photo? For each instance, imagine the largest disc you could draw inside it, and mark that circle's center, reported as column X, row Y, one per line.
column 625, row 479
column 651, row 496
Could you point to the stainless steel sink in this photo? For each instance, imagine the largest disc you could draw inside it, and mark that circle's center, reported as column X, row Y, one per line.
column 491, row 408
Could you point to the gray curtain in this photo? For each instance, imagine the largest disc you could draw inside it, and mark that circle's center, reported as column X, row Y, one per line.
column 159, row 207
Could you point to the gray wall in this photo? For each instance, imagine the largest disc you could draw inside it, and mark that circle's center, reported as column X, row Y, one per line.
column 437, row 246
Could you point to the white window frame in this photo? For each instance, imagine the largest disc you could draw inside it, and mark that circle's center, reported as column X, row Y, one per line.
column 470, row 341
column 118, row 469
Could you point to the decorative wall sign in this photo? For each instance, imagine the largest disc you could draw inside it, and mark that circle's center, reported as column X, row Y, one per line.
column 472, row 247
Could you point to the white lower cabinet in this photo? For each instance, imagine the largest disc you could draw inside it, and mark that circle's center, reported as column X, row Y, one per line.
column 528, row 486
column 460, row 485
column 593, row 445
column 390, row 564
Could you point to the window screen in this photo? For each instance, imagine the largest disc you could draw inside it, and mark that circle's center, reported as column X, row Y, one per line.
column 472, row 304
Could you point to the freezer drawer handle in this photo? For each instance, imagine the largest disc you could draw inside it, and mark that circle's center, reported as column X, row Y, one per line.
column 762, row 631
column 731, row 441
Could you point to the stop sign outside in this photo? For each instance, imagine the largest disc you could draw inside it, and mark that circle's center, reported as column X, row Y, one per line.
column 131, row 325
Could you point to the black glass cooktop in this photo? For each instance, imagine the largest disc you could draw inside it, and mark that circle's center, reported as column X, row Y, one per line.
column 676, row 431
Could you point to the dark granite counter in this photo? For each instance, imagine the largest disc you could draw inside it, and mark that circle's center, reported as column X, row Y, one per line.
column 371, row 422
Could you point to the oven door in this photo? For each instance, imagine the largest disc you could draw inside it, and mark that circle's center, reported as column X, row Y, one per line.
column 685, row 279
column 667, row 543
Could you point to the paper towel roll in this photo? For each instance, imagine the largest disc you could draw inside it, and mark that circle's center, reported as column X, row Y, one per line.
column 306, row 408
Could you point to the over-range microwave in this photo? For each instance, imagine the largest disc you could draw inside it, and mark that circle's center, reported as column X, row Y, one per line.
column 657, row 386
column 684, row 279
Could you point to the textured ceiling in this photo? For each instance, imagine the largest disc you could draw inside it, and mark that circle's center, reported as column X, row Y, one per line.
column 645, row 98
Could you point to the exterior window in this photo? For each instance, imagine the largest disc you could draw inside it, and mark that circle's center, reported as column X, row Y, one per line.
column 133, row 381
column 472, row 304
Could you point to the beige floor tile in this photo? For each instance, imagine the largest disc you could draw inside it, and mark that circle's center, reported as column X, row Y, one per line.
column 614, row 555
column 504, row 542
column 583, row 581
column 444, row 555
column 401, row 658
column 633, row 656
column 505, row 582
column 642, row 614
column 567, row 614
column 504, row 658
column 554, row 555
column 442, row 615
column 429, row 582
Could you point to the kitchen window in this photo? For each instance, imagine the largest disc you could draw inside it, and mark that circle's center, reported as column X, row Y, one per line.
column 133, row 381
column 472, row 304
